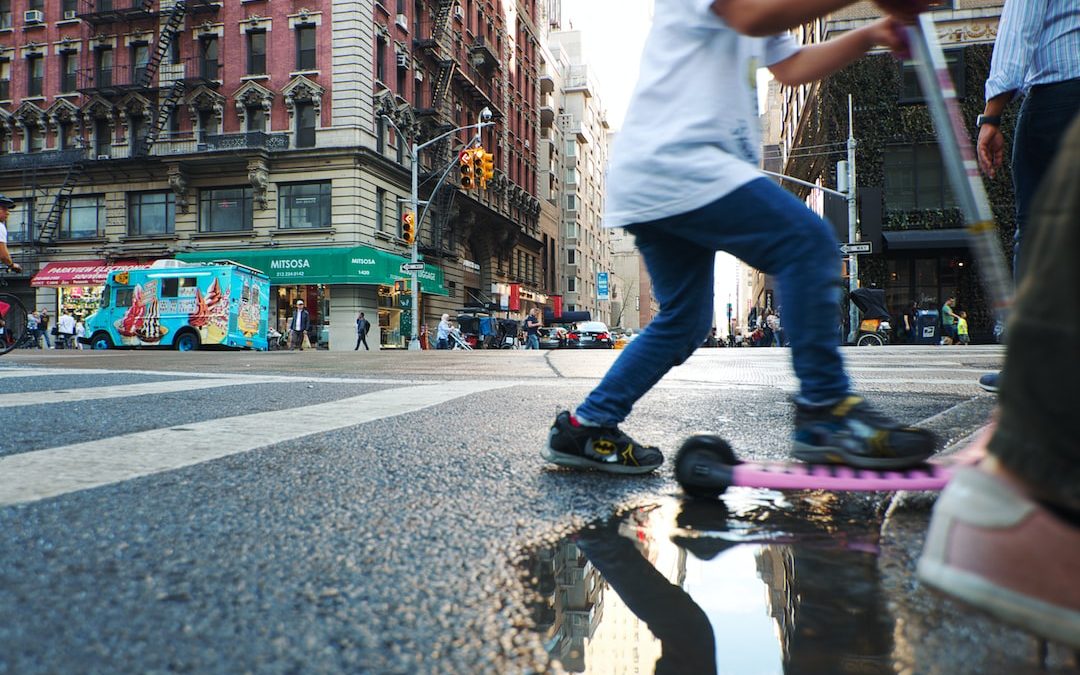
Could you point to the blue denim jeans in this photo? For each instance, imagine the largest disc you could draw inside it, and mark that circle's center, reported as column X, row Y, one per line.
column 769, row 229
column 1044, row 117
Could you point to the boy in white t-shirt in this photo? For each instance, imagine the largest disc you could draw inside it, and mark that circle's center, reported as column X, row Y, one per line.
column 6, row 204
column 684, row 181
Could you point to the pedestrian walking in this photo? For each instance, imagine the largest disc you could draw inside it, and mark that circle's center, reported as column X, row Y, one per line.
column 1005, row 536
column 80, row 333
column 962, row 336
column 442, row 333
column 33, row 327
column 298, row 326
column 65, row 330
column 6, row 204
column 1037, row 58
column 948, row 322
column 43, row 324
column 362, row 328
column 690, row 186
column 911, row 321
column 532, row 329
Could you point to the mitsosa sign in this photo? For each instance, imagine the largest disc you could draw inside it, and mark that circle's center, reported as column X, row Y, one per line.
column 330, row 265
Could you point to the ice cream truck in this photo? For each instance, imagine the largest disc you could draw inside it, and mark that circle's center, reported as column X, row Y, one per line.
column 182, row 305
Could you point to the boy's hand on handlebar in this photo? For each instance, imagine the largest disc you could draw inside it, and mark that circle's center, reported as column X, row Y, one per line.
column 15, row 267
column 905, row 10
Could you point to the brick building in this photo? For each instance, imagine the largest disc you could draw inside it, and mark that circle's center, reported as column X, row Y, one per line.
column 134, row 130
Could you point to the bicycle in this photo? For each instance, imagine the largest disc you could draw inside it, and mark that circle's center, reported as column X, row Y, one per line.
column 13, row 320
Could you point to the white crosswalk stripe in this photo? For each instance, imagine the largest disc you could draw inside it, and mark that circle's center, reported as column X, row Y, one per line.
column 75, row 394
column 32, row 476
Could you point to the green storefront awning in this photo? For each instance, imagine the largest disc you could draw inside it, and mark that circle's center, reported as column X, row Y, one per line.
column 327, row 265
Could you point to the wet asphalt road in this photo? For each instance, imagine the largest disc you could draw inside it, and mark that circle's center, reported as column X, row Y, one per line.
column 408, row 542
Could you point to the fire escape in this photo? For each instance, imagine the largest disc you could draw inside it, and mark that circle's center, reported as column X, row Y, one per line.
column 439, row 47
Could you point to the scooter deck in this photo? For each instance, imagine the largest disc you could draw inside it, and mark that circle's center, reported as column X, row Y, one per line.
column 706, row 465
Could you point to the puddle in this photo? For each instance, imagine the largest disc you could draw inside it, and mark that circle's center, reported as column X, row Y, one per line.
column 756, row 584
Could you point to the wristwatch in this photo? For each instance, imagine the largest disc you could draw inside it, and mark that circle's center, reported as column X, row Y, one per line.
column 993, row 120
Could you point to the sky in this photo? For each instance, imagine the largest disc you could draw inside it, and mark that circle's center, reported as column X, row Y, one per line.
column 614, row 33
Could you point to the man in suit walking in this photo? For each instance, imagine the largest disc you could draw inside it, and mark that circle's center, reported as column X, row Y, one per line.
column 298, row 325
column 362, row 328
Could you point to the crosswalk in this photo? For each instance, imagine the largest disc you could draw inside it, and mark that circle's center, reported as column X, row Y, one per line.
column 40, row 474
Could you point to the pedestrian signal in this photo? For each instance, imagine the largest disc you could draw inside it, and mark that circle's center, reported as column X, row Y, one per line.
column 487, row 168
column 408, row 227
column 468, row 174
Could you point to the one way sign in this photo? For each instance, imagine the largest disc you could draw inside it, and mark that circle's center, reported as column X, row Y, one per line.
column 857, row 248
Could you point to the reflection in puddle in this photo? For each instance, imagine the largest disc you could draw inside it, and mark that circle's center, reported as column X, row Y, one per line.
column 755, row 584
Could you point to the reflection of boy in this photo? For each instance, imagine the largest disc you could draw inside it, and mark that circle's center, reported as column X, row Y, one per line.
column 684, row 181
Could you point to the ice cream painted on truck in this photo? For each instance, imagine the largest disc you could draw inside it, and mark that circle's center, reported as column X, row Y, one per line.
column 182, row 305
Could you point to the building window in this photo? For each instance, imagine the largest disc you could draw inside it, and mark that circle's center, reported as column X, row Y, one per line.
column 35, row 74
column 102, row 137
column 5, row 13
column 20, row 221
column 256, row 118
column 911, row 92
column 36, row 4
column 380, row 210
column 174, row 122
column 66, row 135
column 571, row 202
column 571, row 284
column 380, row 59
column 380, row 142
column 571, row 229
column 69, row 65
column 140, row 58
column 103, row 66
column 225, row 210
column 208, row 58
column 69, row 6
column 84, row 218
column 35, row 140
column 151, row 213
column 256, row 44
column 571, row 256
column 174, row 51
column 305, row 125
column 137, row 129
column 305, row 47
column 5, row 80
column 915, row 178
column 304, row 205
column 206, row 118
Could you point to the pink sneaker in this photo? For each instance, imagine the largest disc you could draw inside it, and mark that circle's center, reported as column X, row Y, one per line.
column 997, row 550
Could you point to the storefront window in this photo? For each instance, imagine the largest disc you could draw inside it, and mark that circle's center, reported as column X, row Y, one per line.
column 84, row 218
column 304, row 205
column 151, row 213
column 225, row 210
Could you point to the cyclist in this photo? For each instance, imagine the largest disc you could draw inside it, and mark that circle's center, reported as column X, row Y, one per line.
column 6, row 204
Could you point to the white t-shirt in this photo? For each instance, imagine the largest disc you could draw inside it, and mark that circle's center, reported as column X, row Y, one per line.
column 3, row 233
column 691, row 134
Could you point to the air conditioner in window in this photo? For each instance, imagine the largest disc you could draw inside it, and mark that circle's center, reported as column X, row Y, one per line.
column 459, row 13
column 33, row 16
column 70, row 14
column 402, row 60
column 402, row 21
column 104, row 156
column 418, row 75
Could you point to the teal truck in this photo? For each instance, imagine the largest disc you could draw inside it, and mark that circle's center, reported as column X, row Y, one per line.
column 182, row 305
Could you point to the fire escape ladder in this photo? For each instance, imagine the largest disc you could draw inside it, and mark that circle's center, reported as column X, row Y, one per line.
column 165, row 110
column 442, row 18
column 442, row 201
column 60, row 201
column 168, row 33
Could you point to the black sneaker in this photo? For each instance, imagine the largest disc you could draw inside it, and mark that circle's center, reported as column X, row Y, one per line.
column 853, row 433
column 989, row 382
column 601, row 448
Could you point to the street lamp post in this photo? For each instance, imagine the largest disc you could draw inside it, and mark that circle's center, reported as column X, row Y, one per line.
column 414, row 203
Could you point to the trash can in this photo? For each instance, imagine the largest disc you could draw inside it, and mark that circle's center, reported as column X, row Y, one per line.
column 927, row 330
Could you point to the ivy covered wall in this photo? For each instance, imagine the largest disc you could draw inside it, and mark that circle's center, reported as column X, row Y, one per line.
column 880, row 121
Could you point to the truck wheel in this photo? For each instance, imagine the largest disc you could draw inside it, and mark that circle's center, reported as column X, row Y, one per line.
column 101, row 340
column 870, row 340
column 186, row 341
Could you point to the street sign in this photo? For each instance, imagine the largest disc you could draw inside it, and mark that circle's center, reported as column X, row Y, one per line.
column 857, row 248
column 412, row 267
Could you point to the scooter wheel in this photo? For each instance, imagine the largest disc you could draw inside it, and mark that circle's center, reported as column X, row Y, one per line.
column 704, row 465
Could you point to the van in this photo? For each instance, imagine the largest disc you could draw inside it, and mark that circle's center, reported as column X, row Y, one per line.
column 182, row 305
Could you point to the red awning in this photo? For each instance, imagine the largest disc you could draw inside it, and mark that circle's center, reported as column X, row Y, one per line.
column 80, row 272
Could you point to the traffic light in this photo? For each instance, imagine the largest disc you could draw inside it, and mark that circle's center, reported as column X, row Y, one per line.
column 468, row 174
column 487, row 168
column 478, row 166
column 408, row 227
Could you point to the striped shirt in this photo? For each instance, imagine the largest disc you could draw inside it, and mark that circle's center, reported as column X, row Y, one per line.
column 1038, row 42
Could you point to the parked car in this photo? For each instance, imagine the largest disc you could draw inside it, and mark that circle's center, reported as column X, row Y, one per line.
column 553, row 337
column 589, row 335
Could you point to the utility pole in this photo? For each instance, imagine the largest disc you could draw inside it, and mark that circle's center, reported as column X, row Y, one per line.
column 852, row 234
column 414, row 203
